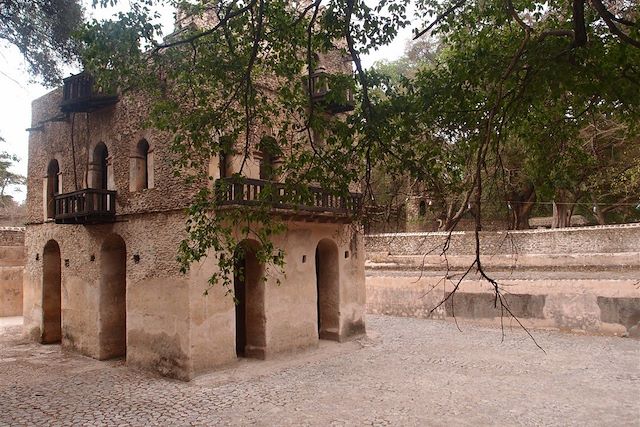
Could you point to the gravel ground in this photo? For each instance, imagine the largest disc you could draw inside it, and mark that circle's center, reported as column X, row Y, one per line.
column 406, row 372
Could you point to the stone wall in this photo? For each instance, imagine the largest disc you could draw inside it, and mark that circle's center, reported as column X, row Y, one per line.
column 72, row 141
column 11, row 269
column 580, row 279
column 575, row 240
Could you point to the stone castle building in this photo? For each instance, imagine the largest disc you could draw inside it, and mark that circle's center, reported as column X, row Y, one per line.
column 105, row 216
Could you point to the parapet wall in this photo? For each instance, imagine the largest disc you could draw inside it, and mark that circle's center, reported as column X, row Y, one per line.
column 11, row 269
column 605, row 239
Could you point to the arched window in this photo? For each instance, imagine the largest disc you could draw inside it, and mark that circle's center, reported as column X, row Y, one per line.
column 223, row 165
column 269, row 152
column 225, row 156
column 143, row 153
column 100, row 167
column 53, row 187
column 141, row 172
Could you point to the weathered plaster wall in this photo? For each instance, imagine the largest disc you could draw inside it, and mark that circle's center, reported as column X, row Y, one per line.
column 156, row 295
column 11, row 268
column 290, row 307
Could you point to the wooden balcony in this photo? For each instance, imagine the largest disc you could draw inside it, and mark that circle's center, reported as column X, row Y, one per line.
column 322, row 95
column 315, row 203
column 80, row 95
column 89, row 206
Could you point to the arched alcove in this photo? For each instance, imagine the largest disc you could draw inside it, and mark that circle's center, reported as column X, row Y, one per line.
column 113, row 307
column 328, row 289
column 248, row 286
column 51, row 293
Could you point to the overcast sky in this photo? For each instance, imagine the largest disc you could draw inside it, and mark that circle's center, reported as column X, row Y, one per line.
column 18, row 90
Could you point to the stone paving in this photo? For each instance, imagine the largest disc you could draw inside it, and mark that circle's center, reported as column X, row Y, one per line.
column 406, row 372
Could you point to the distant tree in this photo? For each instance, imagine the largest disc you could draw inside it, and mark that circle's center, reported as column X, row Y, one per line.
column 612, row 183
column 8, row 178
column 42, row 31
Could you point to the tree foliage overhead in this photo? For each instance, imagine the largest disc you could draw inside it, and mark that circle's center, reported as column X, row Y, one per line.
column 42, row 31
column 510, row 77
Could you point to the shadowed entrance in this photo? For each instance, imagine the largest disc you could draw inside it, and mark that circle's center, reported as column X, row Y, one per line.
column 328, row 289
column 51, row 293
column 113, row 307
column 248, row 287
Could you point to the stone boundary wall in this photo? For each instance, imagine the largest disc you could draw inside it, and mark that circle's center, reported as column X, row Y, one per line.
column 584, row 279
column 12, row 236
column 606, row 239
column 12, row 258
column 595, row 306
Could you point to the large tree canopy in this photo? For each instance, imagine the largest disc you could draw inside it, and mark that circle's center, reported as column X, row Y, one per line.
column 42, row 30
column 511, row 77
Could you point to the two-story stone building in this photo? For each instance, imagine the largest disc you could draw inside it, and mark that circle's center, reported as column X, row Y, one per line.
column 105, row 217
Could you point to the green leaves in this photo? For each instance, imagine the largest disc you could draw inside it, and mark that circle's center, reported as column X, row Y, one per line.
column 8, row 178
column 505, row 84
column 42, row 31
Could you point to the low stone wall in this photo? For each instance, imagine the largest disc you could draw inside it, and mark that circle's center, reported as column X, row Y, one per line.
column 578, row 279
column 574, row 240
column 11, row 269
column 585, row 305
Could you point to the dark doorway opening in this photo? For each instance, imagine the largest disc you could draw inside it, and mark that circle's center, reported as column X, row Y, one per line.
column 248, row 286
column 328, row 289
column 113, row 306
column 51, row 293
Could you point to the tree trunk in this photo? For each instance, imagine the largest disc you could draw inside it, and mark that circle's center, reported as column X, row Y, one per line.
column 600, row 214
column 521, row 208
column 562, row 212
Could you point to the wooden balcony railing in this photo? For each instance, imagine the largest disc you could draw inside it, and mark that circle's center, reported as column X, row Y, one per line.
column 321, row 94
column 239, row 191
column 89, row 206
column 80, row 95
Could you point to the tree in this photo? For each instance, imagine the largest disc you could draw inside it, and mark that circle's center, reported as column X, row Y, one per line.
column 509, row 72
column 42, row 31
column 8, row 178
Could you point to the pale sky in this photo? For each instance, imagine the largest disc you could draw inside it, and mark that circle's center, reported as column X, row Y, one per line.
column 18, row 91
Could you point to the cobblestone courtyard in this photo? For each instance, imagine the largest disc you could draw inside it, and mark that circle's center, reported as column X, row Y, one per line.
column 407, row 372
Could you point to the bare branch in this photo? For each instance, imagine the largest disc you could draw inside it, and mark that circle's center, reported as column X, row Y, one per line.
column 605, row 15
column 230, row 14
column 439, row 18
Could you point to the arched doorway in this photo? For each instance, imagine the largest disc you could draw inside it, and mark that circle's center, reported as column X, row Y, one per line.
column 248, row 288
column 51, row 293
column 113, row 307
column 328, row 289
